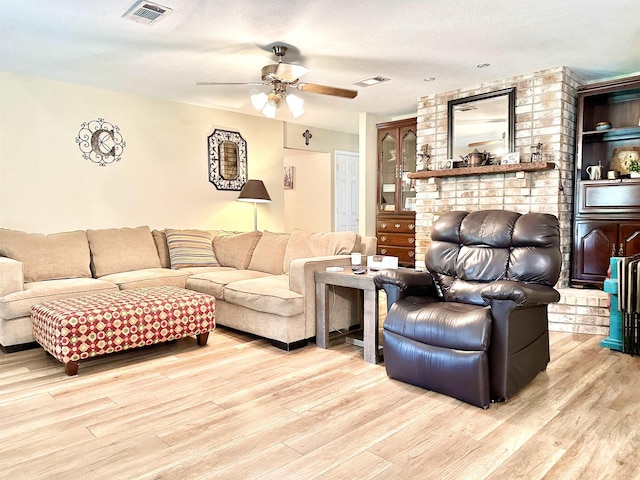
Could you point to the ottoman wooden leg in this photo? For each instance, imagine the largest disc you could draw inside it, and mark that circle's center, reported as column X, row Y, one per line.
column 202, row 338
column 71, row 368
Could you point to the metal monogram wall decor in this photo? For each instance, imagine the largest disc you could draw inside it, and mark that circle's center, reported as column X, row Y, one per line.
column 227, row 152
column 100, row 141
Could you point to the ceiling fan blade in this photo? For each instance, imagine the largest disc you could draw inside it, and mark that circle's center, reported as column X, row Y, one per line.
column 324, row 90
column 486, row 142
column 229, row 83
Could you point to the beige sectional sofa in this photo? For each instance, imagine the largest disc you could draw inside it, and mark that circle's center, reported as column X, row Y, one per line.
column 263, row 282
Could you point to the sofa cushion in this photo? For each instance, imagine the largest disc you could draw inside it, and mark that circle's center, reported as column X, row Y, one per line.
column 115, row 250
column 235, row 250
column 47, row 257
column 213, row 283
column 19, row 304
column 160, row 239
column 303, row 244
column 268, row 294
column 269, row 253
column 147, row 277
column 190, row 248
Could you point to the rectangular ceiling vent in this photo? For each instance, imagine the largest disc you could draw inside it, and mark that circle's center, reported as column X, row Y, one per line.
column 146, row 12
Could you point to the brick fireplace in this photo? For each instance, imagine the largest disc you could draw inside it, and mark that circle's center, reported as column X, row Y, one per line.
column 545, row 113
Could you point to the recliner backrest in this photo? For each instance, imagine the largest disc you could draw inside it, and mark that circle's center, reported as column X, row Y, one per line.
column 469, row 250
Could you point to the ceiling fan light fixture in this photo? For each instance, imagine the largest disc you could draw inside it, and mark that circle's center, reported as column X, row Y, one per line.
column 269, row 110
column 296, row 105
column 259, row 100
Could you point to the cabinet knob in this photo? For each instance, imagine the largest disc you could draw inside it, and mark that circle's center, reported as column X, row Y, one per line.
column 613, row 249
column 621, row 250
column 411, row 254
column 383, row 251
column 383, row 225
column 411, row 240
column 383, row 238
column 411, row 226
column 397, row 225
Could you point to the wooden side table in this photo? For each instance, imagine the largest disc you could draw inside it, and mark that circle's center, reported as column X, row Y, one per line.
column 364, row 282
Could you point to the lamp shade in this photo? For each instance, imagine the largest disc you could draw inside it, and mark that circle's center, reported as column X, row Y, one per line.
column 254, row 191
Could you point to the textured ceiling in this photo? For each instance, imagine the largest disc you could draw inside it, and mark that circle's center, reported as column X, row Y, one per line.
column 341, row 42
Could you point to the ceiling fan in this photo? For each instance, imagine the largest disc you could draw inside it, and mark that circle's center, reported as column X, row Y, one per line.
column 279, row 76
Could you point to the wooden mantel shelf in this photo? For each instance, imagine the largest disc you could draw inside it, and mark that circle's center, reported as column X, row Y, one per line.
column 487, row 170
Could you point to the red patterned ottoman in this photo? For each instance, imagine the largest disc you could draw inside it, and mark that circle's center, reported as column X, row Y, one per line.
column 77, row 328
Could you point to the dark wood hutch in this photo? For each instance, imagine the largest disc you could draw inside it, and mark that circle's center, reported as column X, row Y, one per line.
column 396, row 217
column 606, row 211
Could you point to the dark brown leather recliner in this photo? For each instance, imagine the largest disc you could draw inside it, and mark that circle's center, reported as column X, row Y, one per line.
column 475, row 326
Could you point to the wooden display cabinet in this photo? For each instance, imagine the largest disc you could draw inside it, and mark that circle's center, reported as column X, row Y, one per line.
column 606, row 211
column 396, row 193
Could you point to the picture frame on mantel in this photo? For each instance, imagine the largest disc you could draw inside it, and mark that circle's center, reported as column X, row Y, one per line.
column 511, row 158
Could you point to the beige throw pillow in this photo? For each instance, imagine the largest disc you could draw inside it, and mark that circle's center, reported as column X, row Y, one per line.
column 47, row 257
column 190, row 248
column 303, row 244
column 268, row 256
column 160, row 239
column 115, row 250
column 235, row 250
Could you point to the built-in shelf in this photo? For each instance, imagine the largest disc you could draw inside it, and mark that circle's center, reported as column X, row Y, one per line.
column 611, row 134
column 486, row 170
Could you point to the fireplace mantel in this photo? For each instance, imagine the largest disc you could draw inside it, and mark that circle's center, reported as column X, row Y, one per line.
column 486, row 170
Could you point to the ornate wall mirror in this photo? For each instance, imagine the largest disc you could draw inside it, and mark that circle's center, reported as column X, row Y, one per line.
column 485, row 122
column 227, row 159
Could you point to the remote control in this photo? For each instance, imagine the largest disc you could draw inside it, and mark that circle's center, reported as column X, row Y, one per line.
column 360, row 271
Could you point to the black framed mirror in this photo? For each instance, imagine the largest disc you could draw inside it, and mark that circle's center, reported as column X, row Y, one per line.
column 484, row 122
column 227, row 152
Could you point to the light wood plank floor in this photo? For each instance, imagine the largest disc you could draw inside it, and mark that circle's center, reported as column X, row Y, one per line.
column 239, row 408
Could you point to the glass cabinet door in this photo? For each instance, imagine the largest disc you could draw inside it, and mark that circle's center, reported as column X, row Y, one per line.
column 388, row 162
column 407, row 185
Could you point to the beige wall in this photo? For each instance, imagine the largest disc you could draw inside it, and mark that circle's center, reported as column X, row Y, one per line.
column 321, row 141
column 162, row 179
column 308, row 204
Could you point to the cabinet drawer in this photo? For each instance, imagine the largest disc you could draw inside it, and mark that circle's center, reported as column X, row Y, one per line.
column 605, row 196
column 393, row 225
column 396, row 239
column 405, row 255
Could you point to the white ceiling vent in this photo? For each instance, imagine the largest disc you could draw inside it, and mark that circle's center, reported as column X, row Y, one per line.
column 146, row 12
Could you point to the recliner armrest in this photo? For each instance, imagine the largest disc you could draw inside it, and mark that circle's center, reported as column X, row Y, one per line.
column 401, row 283
column 523, row 294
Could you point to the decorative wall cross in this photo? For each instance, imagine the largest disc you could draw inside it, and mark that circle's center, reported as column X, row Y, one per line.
column 307, row 135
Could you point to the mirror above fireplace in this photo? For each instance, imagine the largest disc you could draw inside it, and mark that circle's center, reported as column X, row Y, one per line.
column 484, row 122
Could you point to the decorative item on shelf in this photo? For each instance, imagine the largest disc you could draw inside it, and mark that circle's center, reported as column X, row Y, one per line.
column 444, row 164
column 536, row 152
column 634, row 168
column 475, row 158
column 603, row 125
column 622, row 157
column 254, row 191
column 392, row 155
column 425, row 157
column 613, row 174
column 594, row 171
column 510, row 158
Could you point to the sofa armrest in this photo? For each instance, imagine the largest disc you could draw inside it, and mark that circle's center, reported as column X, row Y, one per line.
column 401, row 283
column 11, row 276
column 523, row 294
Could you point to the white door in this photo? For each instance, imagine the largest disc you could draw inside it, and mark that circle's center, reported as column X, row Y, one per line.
column 346, row 191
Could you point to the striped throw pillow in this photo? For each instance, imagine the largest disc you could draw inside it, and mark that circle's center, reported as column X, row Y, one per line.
column 190, row 248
